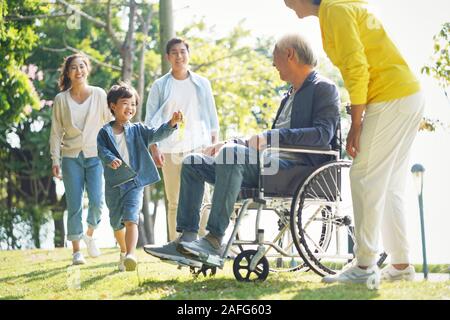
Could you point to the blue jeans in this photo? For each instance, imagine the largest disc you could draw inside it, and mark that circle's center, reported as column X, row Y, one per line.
column 228, row 180
column 78, row 173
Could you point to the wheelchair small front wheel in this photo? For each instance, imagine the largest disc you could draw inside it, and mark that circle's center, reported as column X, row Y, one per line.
column 241, row 267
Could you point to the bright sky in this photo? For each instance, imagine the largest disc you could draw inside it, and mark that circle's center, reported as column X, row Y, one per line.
column 411, row 24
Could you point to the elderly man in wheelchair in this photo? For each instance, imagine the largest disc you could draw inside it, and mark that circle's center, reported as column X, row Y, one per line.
column 299, row 158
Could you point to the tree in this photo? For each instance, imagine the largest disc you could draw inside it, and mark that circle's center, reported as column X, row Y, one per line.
column 440, row 70
column 20, row 176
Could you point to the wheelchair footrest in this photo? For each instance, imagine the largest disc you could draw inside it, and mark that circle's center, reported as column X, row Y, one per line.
column 211, row 260
column 260, row 201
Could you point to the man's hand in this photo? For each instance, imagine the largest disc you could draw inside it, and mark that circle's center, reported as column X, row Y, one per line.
column 214, row 149
column 115, row 163
column 257, row 142
column 357, row 112
column 157, row 156
column 353, row 140
column 56, row 172
column 177, row 117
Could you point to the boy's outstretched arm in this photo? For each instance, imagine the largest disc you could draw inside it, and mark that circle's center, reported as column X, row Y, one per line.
column 166, row 129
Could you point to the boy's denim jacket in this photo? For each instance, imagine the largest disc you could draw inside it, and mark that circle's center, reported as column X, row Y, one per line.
column 138, row 137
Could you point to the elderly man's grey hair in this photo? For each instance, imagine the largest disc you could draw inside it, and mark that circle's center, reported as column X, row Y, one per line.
column 301, row 46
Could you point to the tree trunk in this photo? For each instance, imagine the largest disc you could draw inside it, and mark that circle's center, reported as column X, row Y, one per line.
column 146, row 233
column 58, row 221
column 127, row 50
column 166, row 31
column 149, row 226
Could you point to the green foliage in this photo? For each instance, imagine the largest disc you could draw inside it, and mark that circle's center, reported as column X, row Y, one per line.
column 440, row 67
column 245, row 85
column 440, row 70
column 23, row 172
column 17, row 39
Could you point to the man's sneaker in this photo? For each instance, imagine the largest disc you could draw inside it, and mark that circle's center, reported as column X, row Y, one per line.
column 354, row 274
column 169, row 253
column 92, row 249
column 389, row 273
column 199, row 248
column 77, row 258
column 121, row 264
column 130, row 262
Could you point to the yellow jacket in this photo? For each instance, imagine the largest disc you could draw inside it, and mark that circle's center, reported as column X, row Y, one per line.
column 371, row 66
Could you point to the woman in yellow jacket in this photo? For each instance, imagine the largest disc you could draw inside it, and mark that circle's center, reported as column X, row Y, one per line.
column 386, row 111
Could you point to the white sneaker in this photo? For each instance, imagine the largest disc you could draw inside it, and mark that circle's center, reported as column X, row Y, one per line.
column 130, row 262
column 92, row 249
column 389, row 273
column 77, row 258
column 354, row 274
column 122, row 262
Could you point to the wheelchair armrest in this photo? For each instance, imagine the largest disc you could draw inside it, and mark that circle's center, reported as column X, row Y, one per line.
column 286, row 146
column 302, row 149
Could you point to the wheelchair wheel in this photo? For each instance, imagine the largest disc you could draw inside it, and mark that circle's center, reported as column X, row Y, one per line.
column 278, row 262
column 241, row 267
column 322, row 218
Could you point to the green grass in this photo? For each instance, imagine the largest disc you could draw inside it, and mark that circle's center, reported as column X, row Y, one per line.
column 44, row 274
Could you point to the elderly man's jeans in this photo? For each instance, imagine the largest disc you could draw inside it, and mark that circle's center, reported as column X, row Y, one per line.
column 234, row 167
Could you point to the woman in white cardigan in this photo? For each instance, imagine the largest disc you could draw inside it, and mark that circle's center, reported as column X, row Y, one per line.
column 79, row 112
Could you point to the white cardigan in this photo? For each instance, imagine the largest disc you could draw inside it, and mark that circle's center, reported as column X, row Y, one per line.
column 67, row 140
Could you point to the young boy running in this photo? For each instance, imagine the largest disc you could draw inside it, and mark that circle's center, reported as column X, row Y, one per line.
column 128, row 166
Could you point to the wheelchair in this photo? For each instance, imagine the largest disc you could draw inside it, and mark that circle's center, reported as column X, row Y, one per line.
column 314, row 213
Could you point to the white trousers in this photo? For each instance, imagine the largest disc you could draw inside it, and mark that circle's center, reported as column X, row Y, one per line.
column 172, row 179
column 378, row 178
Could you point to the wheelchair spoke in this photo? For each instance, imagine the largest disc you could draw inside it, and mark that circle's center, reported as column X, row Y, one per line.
column 311, row 219
column 338, row 192
column 314, row 243
column 328, row 187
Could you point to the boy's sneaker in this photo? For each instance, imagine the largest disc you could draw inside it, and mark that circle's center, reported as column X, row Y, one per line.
column 77, row 258
column 389, row 273
column 92, row 249
column 122, row 262
column 354, row 274
column 130, row 262
column 169, row 253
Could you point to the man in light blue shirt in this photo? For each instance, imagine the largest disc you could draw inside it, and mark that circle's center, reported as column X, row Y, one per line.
column 180, row 90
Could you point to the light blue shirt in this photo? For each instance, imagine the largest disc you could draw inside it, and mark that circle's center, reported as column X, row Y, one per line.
column 161, row 91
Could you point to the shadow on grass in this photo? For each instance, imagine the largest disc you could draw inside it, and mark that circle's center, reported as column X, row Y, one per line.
column 40, row 275
column 211, row 288
column 91, row 281
column 11, row 298
column 337, row 292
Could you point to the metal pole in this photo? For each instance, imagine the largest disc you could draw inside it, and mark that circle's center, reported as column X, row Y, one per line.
column 422, row 227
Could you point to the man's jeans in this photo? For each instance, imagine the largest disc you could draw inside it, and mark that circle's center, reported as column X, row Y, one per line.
column 78, row 173
column 234, row 167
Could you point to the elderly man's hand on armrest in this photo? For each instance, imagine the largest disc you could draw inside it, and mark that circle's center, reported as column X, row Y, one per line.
column 257, row 141
column 213, row 149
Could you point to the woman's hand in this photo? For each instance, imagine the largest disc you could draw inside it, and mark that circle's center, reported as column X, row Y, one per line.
column 157, row 156
column 115, row 163
column 56, row 172
column 353, row 140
